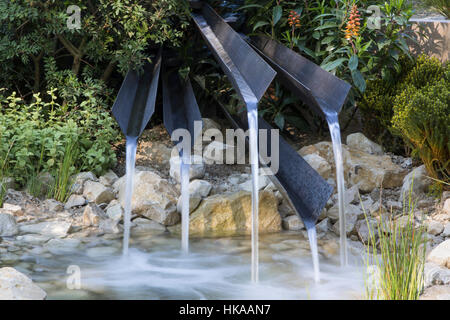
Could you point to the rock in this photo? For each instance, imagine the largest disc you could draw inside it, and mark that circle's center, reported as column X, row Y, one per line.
column 17, row 286
column 108, row 178
column 319, row 164
column 350, row 221
column 436, row 275
column 394, row 205
column 362, row 229
column 322, row 226
column 196, row 169
column 434, row 227
column 142, row 225
column 50, row 228
column 446, row 232
column 263, row 181
column 115, row 211
column 360, row 142
column 79, row 179
column 418, row 181
column 377, row 209
column 75, row 200
column 200, row 188
column 216, row 152
column 33, row 238
column 230, row 214
column 92, row 215
column 109, row 226
column 13, row 209
column 8, row 225
column 194, row 201
column 351, row 195
column 293, row 223
column 98, row 193
column 53, row 205
column 153, row 197
column 446, row 207
column 350, row 210
column 62, row 246
column 436, row 293
column 440, row 255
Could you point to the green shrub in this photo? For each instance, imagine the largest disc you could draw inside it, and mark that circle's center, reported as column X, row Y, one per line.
column 34, row 137
column 422, row 117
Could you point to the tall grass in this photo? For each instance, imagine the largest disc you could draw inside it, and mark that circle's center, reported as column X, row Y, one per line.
column 4, row 174
column 398, row 255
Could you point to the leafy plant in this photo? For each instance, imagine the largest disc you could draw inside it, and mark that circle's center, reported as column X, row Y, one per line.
column 398, row 256
column 442, row 6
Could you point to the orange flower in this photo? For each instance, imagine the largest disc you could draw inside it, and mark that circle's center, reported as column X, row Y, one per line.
column 294, row 19
column 353, row 24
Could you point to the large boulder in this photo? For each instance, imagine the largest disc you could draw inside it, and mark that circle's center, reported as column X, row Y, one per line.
column 49, row 228
column 97, row 192
column 361, row 142
column 153, row 197
column 17, row 286
column 415, row 183
column 319, row 164
column 8, row 225
column 230, row 214
column 440, row 255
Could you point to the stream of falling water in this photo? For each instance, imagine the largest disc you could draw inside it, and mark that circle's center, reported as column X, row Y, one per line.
column 312, row 236
column 184, row 175
column 131, row 145
column 252, row 115
column 335, row 131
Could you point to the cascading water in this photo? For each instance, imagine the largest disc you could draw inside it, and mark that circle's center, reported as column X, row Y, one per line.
column 131, row 145
column 252, row 115
column 184, row 175
column 335, row 131
column 312, row 236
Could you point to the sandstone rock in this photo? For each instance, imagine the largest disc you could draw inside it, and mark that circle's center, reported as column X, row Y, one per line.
column 446, row 207
column 436, row 275
column 263, row 181
column 230, row 214
column 436, row 293
column 8, row 225
column 360, row 142
column 350, row 210
column 115, row 211
column 153, row 197
column 142, row 225
column 319, row 164
column 62, row 246
column 418, row 181
column 98, row 193
column 53, row 205
column 17, row 286
column 108, row 178
column 434, row 227
column 194, row 201
column 78, row 181
column 196, row 169
column 109, row 226
column 440, row 255
column 200, row 188
column 13, row 209
column 293, row 223
column 75, row 200
column 350, row 221
column 33, row 238
column 446, row 232
column 363, row 231
column 49, row 228
column 377, row 209
column 92, row 215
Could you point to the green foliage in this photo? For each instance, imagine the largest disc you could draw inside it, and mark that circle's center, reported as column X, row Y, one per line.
column 34, row 137
column 398, row 253
column 371, row 54
column 442, row 6
column 422, row 116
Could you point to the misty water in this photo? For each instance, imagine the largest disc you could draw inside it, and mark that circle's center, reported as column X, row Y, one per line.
column 156, row 268
column 335, row 131
column 131, row 145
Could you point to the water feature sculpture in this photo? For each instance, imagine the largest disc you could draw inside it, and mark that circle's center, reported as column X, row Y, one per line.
column 133, row 108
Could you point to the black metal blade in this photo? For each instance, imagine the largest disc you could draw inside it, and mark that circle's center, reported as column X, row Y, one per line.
column 180, row 108
column 300, row 184
column 247, row 71
column 319, row 89
column 135, row 102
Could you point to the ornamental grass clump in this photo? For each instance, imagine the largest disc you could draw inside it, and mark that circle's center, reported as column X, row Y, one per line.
column 396, row 257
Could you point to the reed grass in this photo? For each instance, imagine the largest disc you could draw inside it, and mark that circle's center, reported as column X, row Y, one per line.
column 398, row 257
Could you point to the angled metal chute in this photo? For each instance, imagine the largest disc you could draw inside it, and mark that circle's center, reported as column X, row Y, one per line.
column 135, row 102
column 319, row 89
column 306, row 191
